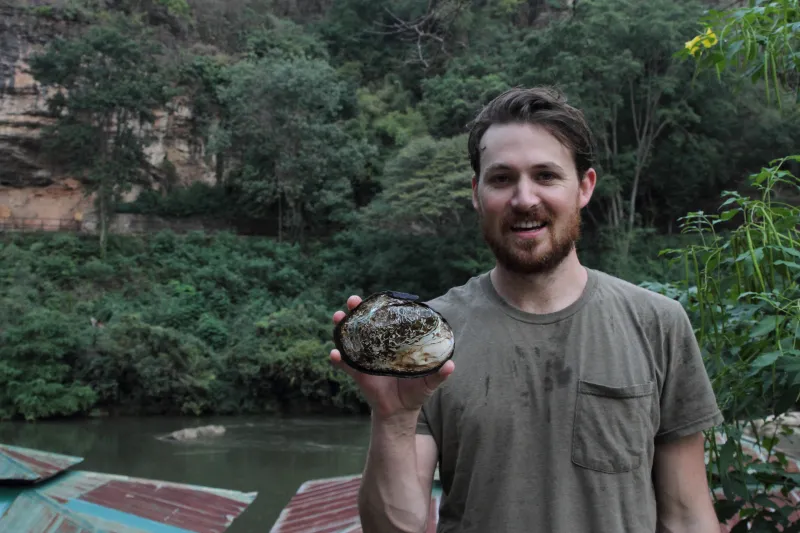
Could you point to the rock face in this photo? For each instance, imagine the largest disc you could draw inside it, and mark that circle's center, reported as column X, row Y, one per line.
column 22, row 109
column 29, row 187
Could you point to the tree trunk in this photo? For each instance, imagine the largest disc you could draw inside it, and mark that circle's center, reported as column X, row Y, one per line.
column 634, row 191
column 103, row 222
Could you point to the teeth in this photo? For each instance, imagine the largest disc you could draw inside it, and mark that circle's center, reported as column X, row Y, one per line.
column 529, row 225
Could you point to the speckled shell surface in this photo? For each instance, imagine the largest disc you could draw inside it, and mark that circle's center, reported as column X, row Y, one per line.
column 390, row 333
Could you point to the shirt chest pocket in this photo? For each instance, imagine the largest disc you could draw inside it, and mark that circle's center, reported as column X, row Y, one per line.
column 613, row 426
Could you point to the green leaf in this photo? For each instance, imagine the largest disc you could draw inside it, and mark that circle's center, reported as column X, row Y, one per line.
column 765, row 359
column 727, row 509
column 765, row 501
column 794, row 266
column 766, row 326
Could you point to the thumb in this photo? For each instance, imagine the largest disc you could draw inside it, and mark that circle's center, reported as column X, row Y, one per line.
column 433, row 381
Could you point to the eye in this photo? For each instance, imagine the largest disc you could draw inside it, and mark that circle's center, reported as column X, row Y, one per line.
column 499, row 179
column 547, row 176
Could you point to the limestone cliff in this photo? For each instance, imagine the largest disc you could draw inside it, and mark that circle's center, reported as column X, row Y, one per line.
column 29, row 187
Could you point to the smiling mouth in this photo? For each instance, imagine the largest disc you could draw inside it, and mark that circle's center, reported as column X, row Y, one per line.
column 528, row 226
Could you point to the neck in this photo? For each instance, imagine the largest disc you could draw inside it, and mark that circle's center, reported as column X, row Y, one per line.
column 543, row 293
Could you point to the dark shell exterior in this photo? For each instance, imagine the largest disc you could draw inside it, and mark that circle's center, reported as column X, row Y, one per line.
column 391, row 334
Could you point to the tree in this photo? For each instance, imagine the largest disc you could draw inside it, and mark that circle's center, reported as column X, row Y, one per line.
column 615, row 60
column 288, row 126
column 108, row 83
column 425, row 189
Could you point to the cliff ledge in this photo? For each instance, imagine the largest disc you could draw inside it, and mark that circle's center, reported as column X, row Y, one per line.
column 29, row 187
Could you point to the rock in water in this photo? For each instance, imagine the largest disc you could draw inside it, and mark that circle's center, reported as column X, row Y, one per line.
column 391, row 334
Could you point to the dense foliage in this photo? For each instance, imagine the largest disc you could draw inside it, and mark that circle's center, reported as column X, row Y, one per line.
column 192, row 325
column 742, row 287
column 196, row 323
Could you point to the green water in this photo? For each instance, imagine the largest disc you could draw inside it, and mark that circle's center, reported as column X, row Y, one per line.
column 271, row 456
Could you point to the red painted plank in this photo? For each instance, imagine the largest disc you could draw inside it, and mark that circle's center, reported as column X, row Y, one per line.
column 335, row 498
column 321, row 490
column 74, row 485
column 181, row 507
column 342, row 518
column 299, row 512
column 169, row 496
column 331, row 506
column 34, row 465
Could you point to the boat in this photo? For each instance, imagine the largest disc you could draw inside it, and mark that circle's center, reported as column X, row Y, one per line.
column 41, row 492
column 329, row 505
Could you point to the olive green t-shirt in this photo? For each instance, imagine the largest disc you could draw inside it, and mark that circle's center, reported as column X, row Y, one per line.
column 549, row 422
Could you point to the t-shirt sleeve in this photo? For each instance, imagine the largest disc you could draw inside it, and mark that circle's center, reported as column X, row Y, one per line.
column 688, row 402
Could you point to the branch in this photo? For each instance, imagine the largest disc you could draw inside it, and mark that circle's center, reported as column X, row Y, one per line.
column 419, row 52
column 633, row 109
column 434, row 25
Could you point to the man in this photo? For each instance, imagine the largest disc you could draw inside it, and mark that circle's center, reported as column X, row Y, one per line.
column 575, row 402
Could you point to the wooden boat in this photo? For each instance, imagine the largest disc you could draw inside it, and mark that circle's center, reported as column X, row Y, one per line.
column 39, row 493
column 330, row 506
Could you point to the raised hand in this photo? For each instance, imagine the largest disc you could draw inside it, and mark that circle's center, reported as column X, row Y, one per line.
column 390, row 396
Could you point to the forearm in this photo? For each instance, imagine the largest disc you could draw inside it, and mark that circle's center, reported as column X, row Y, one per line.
column 701, row 521
column 392, row 497
column 682, row 492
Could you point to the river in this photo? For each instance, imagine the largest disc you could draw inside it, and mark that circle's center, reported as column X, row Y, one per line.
column 268, row 455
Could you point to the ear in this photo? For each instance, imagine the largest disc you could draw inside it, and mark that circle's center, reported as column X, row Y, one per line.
column 475, row 203
column 586, row 187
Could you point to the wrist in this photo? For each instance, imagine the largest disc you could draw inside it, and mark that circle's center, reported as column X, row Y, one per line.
column 396, row 424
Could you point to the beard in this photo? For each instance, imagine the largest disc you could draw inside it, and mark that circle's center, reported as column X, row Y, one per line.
column 536, row 256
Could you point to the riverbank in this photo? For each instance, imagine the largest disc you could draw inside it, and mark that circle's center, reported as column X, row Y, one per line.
column 164, row 325
column 208, row 324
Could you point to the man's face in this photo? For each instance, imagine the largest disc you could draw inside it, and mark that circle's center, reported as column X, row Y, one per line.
column 529, row 197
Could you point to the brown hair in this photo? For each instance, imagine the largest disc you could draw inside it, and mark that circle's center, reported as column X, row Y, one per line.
column 544, row 106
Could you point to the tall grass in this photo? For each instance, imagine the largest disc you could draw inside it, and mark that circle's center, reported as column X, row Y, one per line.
column 741, row 290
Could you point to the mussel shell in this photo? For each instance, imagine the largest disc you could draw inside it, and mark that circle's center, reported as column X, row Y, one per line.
column 391, row 334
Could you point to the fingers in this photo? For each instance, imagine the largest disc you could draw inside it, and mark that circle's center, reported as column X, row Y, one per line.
column 352, row 303
column 336, row 361
column 338, row 316
column 335, row 356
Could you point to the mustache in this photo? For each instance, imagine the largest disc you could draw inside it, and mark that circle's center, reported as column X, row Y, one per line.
column 531, row 215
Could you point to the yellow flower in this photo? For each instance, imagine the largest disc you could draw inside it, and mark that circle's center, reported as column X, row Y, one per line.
column 708, row 40
column 692, row 45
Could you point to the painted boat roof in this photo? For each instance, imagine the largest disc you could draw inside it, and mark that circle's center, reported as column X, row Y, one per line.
column 330, row 505
column 88, row 502
column 28, row 465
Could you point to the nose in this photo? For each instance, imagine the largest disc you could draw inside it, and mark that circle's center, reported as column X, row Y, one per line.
column 526, row 194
